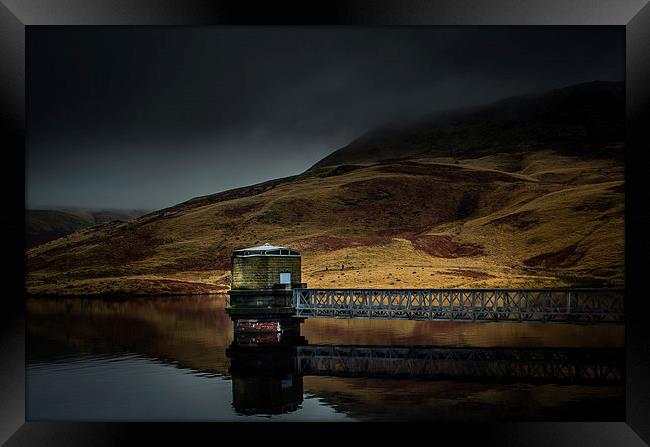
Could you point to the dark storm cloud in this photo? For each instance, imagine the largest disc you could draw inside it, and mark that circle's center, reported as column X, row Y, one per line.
column 149, row 117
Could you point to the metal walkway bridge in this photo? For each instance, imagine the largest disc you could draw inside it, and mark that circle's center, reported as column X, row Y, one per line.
column 517, row 305
column 603, row 366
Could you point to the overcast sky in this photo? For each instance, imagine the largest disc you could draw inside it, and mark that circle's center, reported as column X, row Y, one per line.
column 147, row 117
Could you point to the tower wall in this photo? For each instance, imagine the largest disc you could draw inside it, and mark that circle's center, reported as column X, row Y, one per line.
column 263, row 272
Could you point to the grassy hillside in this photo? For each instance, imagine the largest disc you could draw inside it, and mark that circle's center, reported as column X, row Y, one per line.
column 556, row 220
column 539, row 215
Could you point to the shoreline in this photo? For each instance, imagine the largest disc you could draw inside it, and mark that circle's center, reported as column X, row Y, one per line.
column 118, row 297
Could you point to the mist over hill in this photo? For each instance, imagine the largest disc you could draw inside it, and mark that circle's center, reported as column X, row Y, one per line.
column 525, row 192
column 586, row 118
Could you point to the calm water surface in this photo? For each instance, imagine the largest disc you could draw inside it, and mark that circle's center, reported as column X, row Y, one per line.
column 175, row 359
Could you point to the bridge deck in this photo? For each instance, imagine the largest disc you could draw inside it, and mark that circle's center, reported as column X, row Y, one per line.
column 517, row 305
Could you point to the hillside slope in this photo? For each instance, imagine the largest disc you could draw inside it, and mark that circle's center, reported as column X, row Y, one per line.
column 542, row 214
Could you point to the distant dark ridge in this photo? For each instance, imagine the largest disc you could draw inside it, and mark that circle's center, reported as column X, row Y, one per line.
column 586, row 118
column 42, row 226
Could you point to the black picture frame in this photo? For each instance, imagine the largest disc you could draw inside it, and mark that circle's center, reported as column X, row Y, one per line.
column 16, row 15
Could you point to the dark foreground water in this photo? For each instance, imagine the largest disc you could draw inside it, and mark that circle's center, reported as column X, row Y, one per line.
column 175, row 359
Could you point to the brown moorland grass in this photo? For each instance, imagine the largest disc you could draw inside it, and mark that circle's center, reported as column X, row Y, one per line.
column 527, row 219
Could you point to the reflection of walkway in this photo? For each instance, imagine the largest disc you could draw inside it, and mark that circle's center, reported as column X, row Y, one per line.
column 575, row 366
column 268, row 378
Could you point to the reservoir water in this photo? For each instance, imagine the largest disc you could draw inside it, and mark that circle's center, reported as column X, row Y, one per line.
column 175, row 358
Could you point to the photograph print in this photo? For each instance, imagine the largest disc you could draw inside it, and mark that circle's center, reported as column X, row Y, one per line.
column 284, row 223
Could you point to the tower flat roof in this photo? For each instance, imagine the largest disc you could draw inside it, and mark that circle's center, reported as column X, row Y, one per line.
column 265, row 248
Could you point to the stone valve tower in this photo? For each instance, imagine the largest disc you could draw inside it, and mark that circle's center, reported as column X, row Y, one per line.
column 263, row 279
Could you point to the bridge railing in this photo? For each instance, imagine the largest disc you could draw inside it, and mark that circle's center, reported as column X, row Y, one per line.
column 561, row 305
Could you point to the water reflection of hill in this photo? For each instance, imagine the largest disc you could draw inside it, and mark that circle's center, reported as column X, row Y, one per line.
column 379, row 400
column 191, row 331
column 459, row 334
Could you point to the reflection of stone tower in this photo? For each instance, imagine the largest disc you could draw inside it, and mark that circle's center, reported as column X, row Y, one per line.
column 264, row 376
column 261, row 289
column 266, row 394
